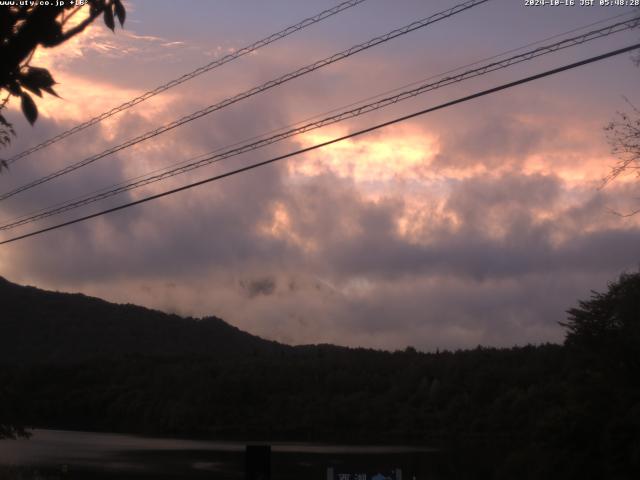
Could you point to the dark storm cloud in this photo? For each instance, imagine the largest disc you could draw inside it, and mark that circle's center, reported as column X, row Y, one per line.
column 259, row 286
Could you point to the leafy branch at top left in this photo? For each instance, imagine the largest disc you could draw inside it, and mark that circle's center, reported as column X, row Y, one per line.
column 22, row 30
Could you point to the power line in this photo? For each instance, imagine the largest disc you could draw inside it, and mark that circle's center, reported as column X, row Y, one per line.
column 319, row 115
column 188, row 76
column 254, row 91
column 537, row 42
column 34, row 215
column 212, row 157
column 477, row 62
column 335, row 140
column 327, row 112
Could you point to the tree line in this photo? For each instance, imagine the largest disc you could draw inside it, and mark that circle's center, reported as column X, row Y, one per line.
column 547, row 411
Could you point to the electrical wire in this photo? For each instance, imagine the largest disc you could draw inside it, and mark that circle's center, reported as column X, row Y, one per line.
column 188, row 76
column 337, row 109
column 327, row 112
column 254, row 91
column 332, row 141
column 213, row 157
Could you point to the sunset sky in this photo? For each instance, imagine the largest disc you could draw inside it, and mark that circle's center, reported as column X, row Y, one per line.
column 478, row 224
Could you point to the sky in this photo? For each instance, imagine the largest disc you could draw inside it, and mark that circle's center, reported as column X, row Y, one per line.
column 479, row 224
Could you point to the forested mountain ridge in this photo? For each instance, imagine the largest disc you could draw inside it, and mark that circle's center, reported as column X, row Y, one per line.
column 38, row 326
column 568, row 411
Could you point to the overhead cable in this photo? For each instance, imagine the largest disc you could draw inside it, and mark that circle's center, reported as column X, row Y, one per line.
column 254, row 91
column 330, row 142
column 213, row 157
column 188, row 76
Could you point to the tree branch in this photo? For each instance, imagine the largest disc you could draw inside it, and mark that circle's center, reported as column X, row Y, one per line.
column 78, row 28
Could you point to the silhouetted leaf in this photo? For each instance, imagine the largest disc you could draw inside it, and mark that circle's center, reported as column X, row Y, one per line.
column 108, row 18
column 36, row 79
column 29, row 108
column 50, row 34
column 120, row 11
column 32, row 88
column 14, row 88
column 51, row 91
column 3, row 165
column 40, row 76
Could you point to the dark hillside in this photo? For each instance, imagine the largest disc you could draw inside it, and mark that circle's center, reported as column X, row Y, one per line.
column 567, row 411
column 39, row 326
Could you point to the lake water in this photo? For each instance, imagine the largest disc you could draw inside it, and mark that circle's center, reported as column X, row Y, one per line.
column 116, row 456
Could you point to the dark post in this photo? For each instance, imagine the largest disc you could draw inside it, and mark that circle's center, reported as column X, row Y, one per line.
column 258, row 462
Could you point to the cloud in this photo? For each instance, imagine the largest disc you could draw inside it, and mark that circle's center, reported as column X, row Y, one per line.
column 479, row 225
column 259, row 286
column 363, row 282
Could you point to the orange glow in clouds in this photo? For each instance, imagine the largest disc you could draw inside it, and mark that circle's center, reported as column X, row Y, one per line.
column 396, row 154
column 280, row 226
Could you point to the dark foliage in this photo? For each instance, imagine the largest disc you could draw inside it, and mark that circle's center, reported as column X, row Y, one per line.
column 606, row 327
column 532, row 412
column 23, row 28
